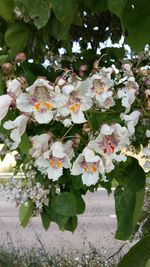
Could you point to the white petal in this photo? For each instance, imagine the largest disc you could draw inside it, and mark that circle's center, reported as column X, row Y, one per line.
column 106, row 129
column 14, row 86
column 5, row 101
column 42, row 163
column 39, row 82
column 54, row 174
column 76, row 168
column 89, row 179
column 57, row 150
column 90, row 155
column 67, row 89
column 23, row 103
column 43, row 117
column 78, row 117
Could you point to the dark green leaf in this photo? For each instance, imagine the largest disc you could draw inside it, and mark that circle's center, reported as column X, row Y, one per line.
column 129, row 196
column 65, row 204
column 65, row 11
column 45, row 219
column 25, row 212
column 7, row 10
column 136, row 23
column 4, row 58
column 71, row 224
column 17, row 36
column 38, row 10
column 138, row 255
column 117, row 7
column 25, row 144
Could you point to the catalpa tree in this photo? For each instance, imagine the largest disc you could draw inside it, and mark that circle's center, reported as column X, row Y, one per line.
column 73, row 116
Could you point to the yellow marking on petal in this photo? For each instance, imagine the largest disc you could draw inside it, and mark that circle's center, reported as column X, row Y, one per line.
column 48, row 105
column 52, row 163
column 102, row 88
column 86, row 168
column 94, row 168
column 37, row 106
column 59, row 164
column 74, row 107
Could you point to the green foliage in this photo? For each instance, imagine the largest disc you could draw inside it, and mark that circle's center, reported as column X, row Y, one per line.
column 138, row 255
column 129, row 196
column 65, row 204
column 64, row 12
column 6, row 10
column 38, row 10
column 25, row 144
column 17, row 36
column 25, row 212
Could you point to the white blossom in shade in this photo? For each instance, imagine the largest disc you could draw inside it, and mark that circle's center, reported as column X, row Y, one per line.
column 131, row 120
column 13, row 91
column 14, row 87
column 89, row 166
column 17, row 127
column 128, row 93
column 101, row 88
column 53, row 161
column 77, row 101
column 5, row 102
column 109, row 143
column 40, row 100
column 148, row 133
column 127, row 69
column 40, row 144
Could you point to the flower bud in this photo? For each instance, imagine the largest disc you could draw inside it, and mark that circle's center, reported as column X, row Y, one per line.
column 82, row 69
column 86, row 127
column 147, row 83
column 6, row 68
column 20, row 57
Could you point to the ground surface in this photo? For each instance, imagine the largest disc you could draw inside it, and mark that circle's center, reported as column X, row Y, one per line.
column 96, row 228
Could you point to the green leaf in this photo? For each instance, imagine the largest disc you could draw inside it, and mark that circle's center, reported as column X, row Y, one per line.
column 96, row 6
column 65, row 204
column 7, row 10
column 38, row 10
column 80, row 203
column 64, row 11
column 117, row 6
column 136, row 21
column 17, row 36
column 71, row 224
column 4, row 58
column 25, row 144
column 148, row 263
column 25, row 212
column 59, row 31
column 129, row 196
column 45, row 219
column 138, row 255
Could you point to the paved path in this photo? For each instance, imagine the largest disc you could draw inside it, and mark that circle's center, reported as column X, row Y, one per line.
column 96, row 227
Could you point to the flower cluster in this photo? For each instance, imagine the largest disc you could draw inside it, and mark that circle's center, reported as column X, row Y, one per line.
column 73, row 127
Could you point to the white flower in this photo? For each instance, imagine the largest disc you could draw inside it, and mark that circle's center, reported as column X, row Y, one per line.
column 53, row 161
column 128, row 93
column 17, row 127
column 5, row 102
column 40, row 144
column 109, row 142
column 14, row 87
column 101, row 88
column 13, row 91
column 131, row 120
column 40, row 100
column 77, row 101
column 89, row 165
